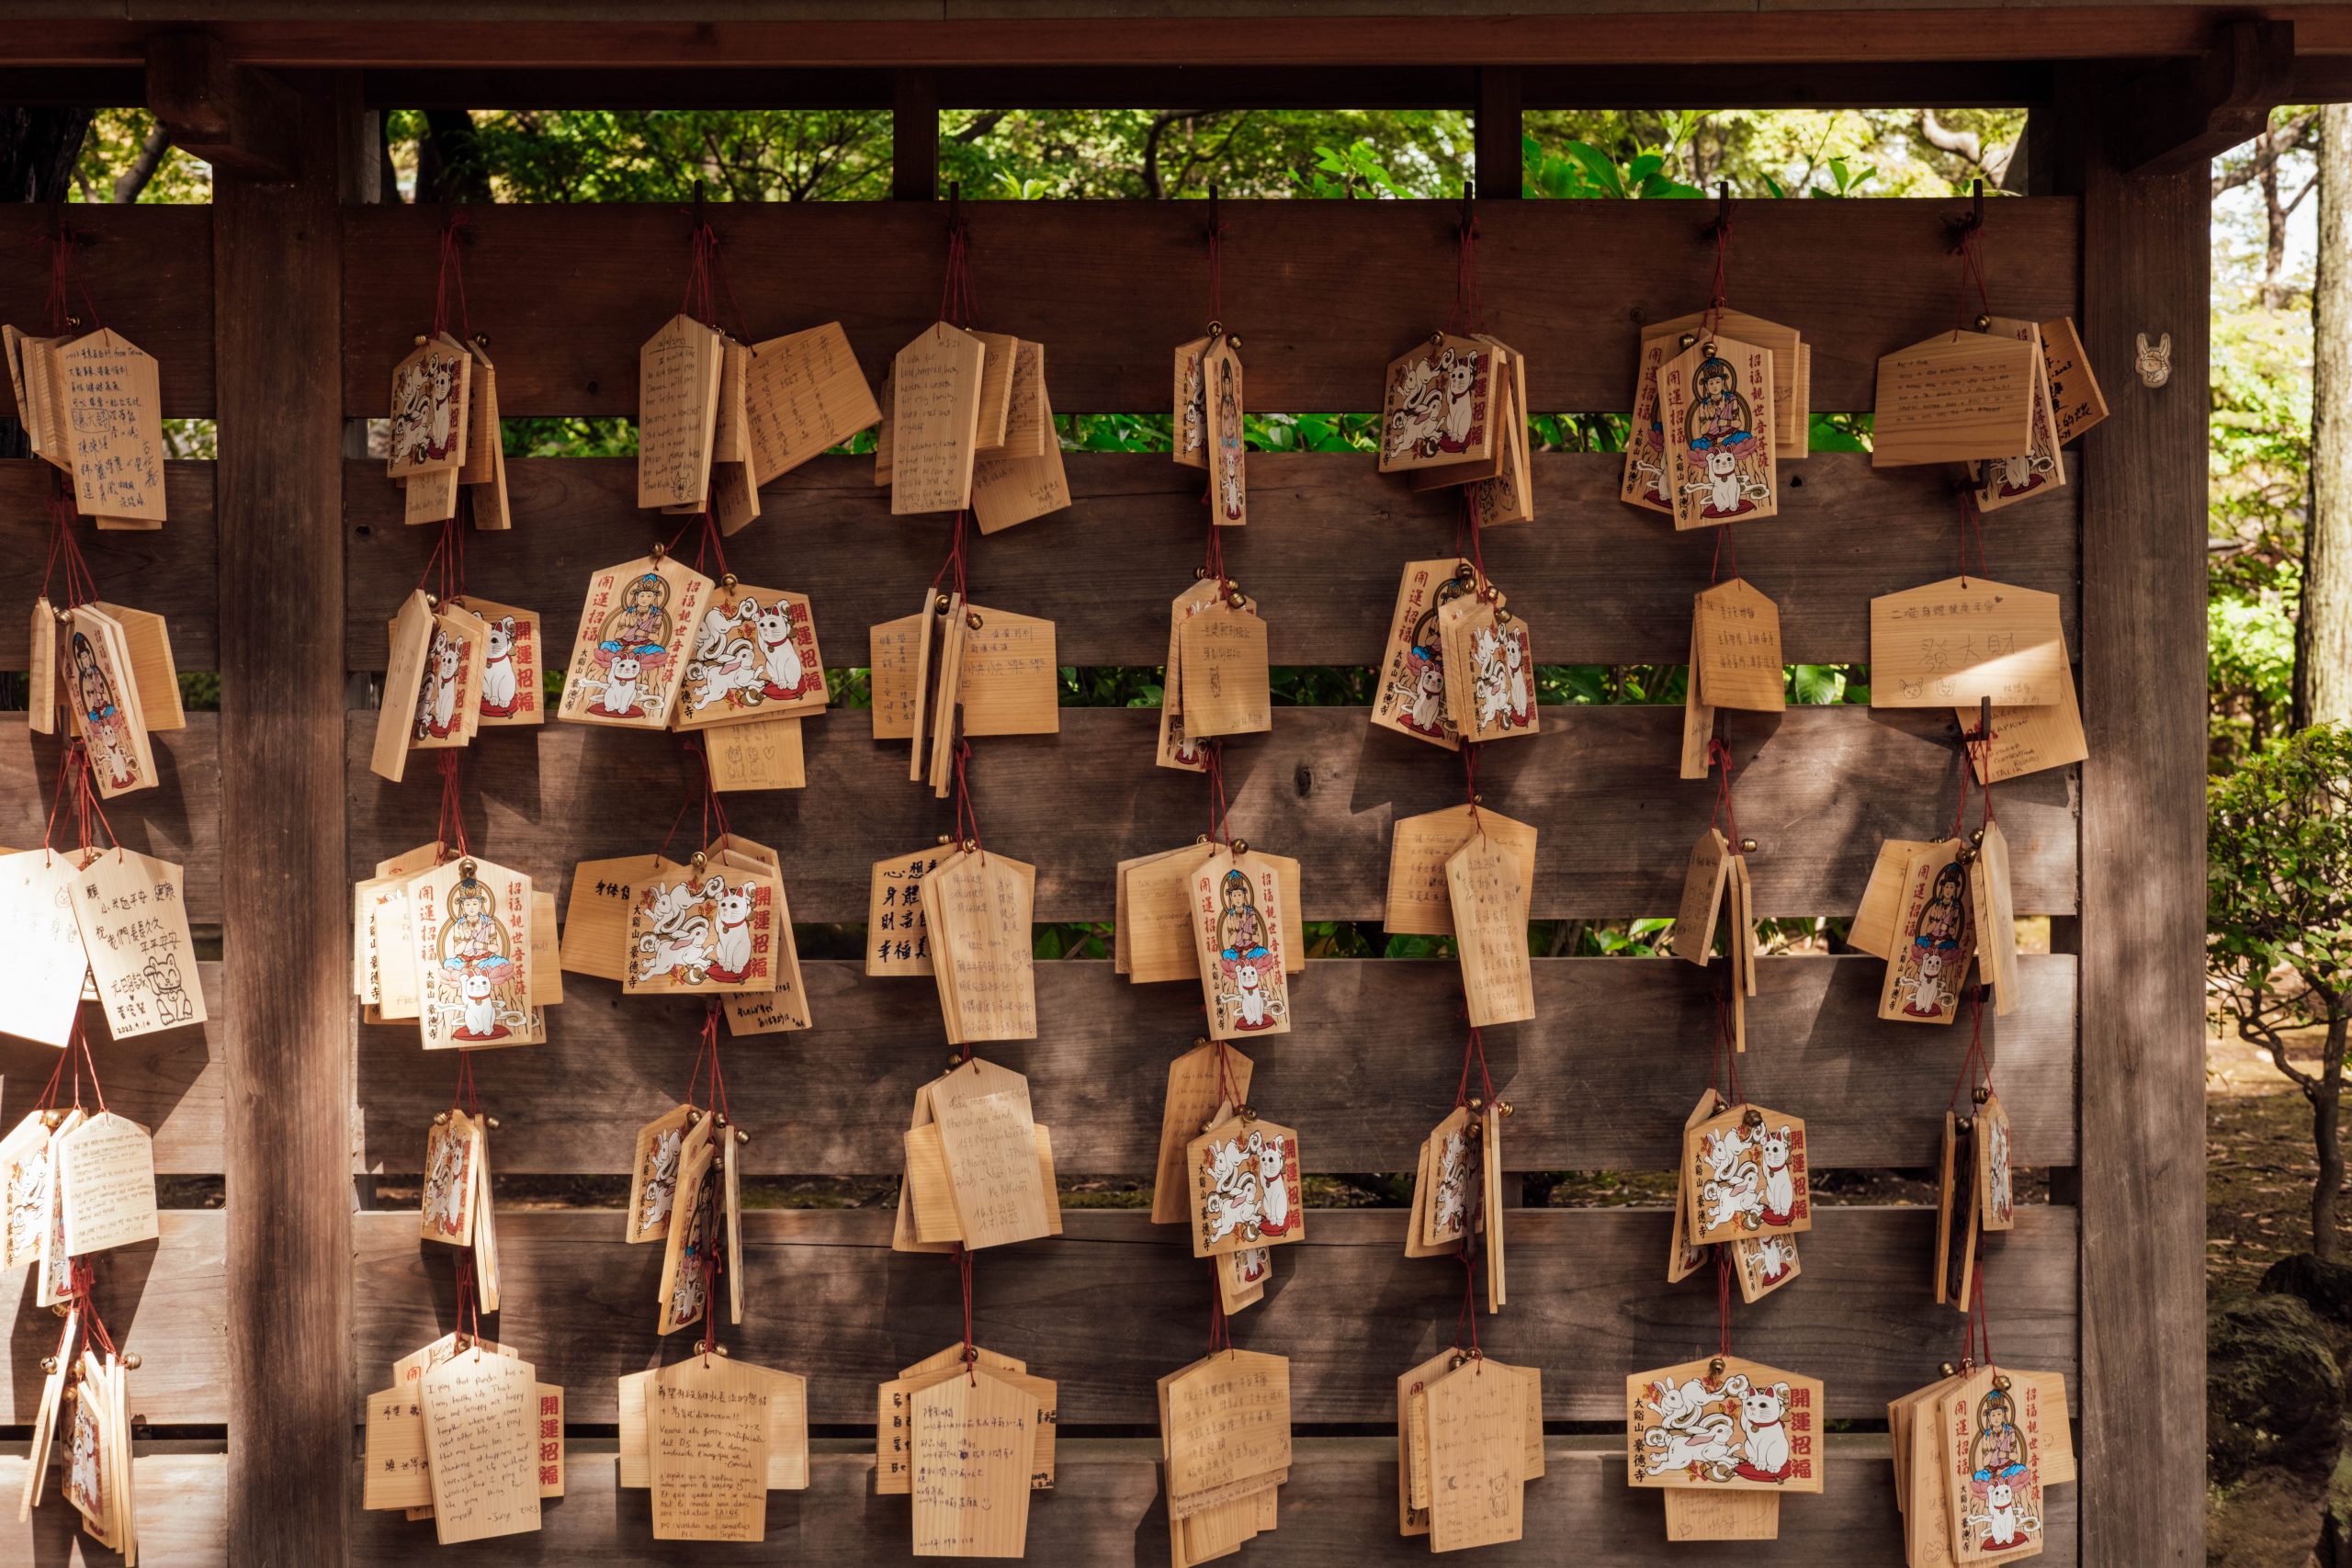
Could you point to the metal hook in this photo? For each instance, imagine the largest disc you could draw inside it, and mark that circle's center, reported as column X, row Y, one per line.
column 1469, row 197
column 1975, row 218
column 701, row 222
column 955, row 205
column 1723, row 205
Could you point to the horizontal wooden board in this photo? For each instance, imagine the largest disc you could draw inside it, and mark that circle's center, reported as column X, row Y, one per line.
column 143, row 271
column 1323, row 294
column 173, row 571
column 825, row 1296
column 1324, row 568
column 179, row 821
column 1600, row 1081
column 182, row 1499
column 165, row 1300
column 1106, row 1507
column 1817, row 788
column 912, row 33
column 169, row 1083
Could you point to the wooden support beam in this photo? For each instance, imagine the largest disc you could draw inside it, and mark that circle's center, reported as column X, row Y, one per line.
column 914, row 136
column 1496, row 129
column 2184, row 112
column 2146, row 258
column 238, row 120
column 277, row 264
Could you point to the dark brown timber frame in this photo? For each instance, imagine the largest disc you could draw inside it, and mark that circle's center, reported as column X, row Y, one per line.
column 276, row 312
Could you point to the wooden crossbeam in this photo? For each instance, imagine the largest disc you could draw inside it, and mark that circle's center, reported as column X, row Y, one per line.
column 2187, row 111
column 231, row 116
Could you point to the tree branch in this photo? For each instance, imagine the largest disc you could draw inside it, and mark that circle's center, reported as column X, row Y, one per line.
column 982, row 123
column 1966, row 145
column 134, row 179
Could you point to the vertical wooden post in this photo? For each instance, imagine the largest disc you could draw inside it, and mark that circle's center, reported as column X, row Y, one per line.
column 278, row 279
column 1495, row 130
column 914, row 136
column 2145, row 256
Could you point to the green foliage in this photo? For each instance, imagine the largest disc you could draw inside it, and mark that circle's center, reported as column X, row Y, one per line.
column 2278, row 885
column 658, row 156
column 2250, row 662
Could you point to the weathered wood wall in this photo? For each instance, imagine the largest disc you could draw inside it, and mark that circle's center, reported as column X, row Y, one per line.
column 1324, row 294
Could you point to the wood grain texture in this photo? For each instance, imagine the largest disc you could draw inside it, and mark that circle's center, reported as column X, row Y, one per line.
column 169, row 570
column 1818, row 788
column 2143, row 937
column 288, row 1397
column 148, row 270
column 182, row 1498
column 1600, row 1081
column 179, row 821
column 646, row 35
column 1324, row 293
column 167, row 1300
column 1325, row 573
column 169, row 1083
column 826, row 1297
column 1105, row 1507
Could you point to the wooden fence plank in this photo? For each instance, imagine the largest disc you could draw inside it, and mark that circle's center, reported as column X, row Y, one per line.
column 169, row 1083
column 1105, row 1507
column 168, row 571
column 1323, row 786
column 182, row 1500
column 1325, row 569
column 826, row 1297
column 168, row 1300
column 2144, row 875
column 143, row 271
column 179, row 821
column 1600, row 1082
column 1325, row 292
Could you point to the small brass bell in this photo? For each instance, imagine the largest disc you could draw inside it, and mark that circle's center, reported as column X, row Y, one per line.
column 493, row 1121
column 1983, row 1094
column 940, row 605
column 133, row 1362
column 1748, row 846
column 1984, row 324
column 972, row 620
column 1240, row 846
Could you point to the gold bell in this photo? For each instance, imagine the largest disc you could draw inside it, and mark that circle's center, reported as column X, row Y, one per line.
column 420, row 340
column 1241, row 846
column 741, row 1137
column 1714, row 1366
column 972, row 620
column 1754, row 1118
column 727, row 581
column 1748, row 846
column 944, row 838
column 1984, row 324
column 940, row 603
column 1503, row 1107
column 133, row 1362
column 493, row 1121
column 660, row 550
column 466, row 868
column 440, row 1119
column 1476, row 1104
column 49, row 1363
column 1949, row 1370
column 1982, row 1094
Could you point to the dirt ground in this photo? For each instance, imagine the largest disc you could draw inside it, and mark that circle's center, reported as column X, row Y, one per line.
column 2258, row 1172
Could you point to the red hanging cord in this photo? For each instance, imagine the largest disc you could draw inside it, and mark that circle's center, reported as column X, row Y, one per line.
column 61, row 240
column 964, row 1277
column 956, row 298
column 1722, row 1073
column 1217, row 264
column 450, row 829
column 1979, row 1326
column 1724, row 543
column 1722, row 1301
column 1972, row 274
column 1725, row 817
column 1220, row 1328
column 1975, row 1064
column 1213, row 755
column 1720, row 294
column 80, row 586
column 1467, row 1318
column 452, row 277
column 1468, row 313
column 1473, row 1051
column 1971, row 522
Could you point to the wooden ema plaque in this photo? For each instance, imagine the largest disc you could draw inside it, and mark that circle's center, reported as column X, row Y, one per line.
column 973, row 1438
column 1964, row 640
column 707, row 1428
column 1418, row 901
column 1724, row 1424
column 628, row 658
column 1244, row 1189
column 1714, row 405
column 1237, row 903
column 1438, row 405
column 1748, row 1173
column 754, row 657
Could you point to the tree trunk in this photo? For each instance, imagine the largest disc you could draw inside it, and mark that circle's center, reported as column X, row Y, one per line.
column 2323, row 632
column 2327, row 1103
